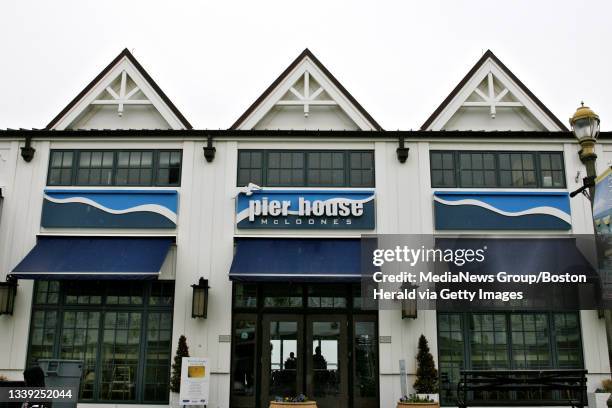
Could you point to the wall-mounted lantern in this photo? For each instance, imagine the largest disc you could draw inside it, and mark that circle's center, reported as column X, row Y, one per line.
column 209, row 150
column 402, row 150
column 27, row 152
column 409, row 306
column 199, row 306
column 8, row 291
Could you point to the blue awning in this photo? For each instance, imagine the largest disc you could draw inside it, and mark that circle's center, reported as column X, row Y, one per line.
column 303, row 260
column 94, row 258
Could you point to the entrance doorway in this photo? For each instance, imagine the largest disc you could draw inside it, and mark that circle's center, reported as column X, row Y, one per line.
column 322, row 346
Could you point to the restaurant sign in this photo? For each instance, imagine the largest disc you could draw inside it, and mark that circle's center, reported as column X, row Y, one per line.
column 306, row 209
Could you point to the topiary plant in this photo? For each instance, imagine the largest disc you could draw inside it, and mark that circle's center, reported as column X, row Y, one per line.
column 181, row 351
column 426, row 375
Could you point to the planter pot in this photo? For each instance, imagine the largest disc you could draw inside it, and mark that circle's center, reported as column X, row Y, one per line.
column 418, row 404
column 598, row 399
column 306, row 404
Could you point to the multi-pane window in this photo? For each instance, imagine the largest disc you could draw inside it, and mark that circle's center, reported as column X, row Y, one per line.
column 517, row 170
column 169, row 168
column 567, row 340
column 361, row 170
column 451, row 351
column 551, row 167
column 285, row 169
column 135, row 168
column 488, row 341
column 306, row 168
column 506, row 340
column 250, row 167
column 477, row 169
column 484, row 169
column 121, row 333
column 530, row 341
column 80, row 333
column 95, row 168
column 60, row 168
column 326, row 169
column 110, row 168
column 443, row 169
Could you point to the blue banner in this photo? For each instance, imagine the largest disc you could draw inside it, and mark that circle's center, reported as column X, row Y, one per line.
column 109, row 208
column 602, row 203
column 502, row 210
column 306, row 209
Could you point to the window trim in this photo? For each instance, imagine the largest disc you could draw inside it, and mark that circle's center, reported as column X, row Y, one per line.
column 496, row 153
column 77, row 157
column 347, row 167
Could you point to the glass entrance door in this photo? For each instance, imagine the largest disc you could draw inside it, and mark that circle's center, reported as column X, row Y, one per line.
column 327, row 361
column 282, row 357
column 303, row 339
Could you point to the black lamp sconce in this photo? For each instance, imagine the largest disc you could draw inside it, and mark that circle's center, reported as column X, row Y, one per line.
column 402, row 150
column 8, row 291
column 199, row 306
column 209, row 150
column 27, row 152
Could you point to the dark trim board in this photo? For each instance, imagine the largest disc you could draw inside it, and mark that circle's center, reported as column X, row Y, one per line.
column 565, row 136
column 125, row 53
column 471, row 72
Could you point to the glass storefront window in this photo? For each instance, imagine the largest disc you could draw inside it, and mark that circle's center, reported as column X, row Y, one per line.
column 122, row 333
column 365, row 351
column 488, row 341
column 327, row 296
column 159, row 343
column 451, row 352
column 243, row 361
column 282, row 295
column 80, row 332
column 506, row 340
column 245, row 295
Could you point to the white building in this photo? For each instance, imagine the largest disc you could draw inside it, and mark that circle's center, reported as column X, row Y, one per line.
column 119, row 212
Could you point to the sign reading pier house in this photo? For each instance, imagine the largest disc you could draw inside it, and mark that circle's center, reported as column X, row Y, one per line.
column 310, row 209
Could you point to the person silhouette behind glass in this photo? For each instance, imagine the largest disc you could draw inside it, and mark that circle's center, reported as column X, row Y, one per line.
column 318, row 361
column 291, row 363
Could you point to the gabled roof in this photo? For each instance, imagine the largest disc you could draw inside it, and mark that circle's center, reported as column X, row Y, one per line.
column 488, row 55
column 127, row 55
column 306, row 54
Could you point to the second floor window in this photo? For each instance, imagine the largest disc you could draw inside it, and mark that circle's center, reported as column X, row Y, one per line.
column 306, row 168
column 114, row 168
column 485, row 169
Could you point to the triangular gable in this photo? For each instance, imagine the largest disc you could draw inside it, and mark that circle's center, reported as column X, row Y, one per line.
column 122, row 96
column 491, row 97
column 306, row 96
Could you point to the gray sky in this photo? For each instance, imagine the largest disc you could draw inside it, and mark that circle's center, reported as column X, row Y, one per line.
column 399, row 59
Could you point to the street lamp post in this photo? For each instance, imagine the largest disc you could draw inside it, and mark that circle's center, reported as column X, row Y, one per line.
column 585, row 126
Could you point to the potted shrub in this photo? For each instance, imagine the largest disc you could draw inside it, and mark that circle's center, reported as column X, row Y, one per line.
column 175, row 380
column 599, row 398
column 298, row 401
column 426, row 384
column 414, row 400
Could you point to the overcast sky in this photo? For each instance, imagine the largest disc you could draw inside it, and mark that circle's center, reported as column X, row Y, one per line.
column 399, row 59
